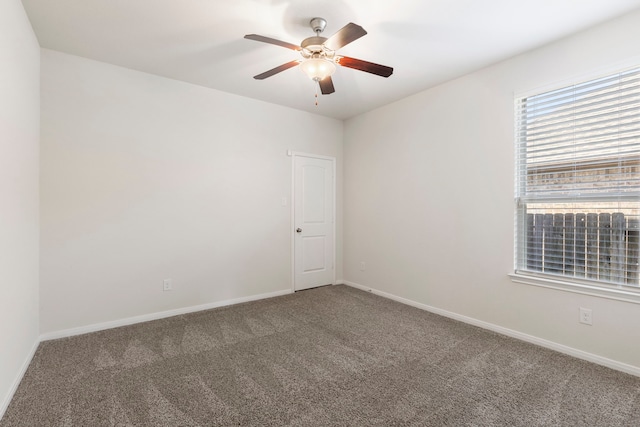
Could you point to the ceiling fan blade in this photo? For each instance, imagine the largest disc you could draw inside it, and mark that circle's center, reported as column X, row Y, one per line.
column 264, row 39
column 276, row 70
column 326, row 86
column 369, row 67
column 344, row 36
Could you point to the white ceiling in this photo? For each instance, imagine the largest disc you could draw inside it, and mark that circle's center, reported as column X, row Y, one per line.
column 201, row 41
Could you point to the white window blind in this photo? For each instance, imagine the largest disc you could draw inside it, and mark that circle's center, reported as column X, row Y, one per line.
column 578, row 181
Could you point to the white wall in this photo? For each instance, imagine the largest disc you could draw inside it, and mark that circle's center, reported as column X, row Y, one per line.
column 146, row 178
column 19, row 135
column 429, row 193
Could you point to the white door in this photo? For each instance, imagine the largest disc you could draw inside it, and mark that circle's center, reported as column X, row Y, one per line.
column 313, row 192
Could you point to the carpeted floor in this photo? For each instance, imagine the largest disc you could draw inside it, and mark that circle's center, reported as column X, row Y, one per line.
column 327, row 356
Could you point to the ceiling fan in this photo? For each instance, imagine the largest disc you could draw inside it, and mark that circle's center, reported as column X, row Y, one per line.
column 319, row 56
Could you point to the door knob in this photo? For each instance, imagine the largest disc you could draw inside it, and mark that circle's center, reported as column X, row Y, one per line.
column 298, row 230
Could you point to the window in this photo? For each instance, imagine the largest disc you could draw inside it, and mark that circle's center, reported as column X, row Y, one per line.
column 578, row 184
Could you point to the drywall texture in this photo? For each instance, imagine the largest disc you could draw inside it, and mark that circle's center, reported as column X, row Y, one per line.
column 19, row 130
column 429, row 197
column 146, row 178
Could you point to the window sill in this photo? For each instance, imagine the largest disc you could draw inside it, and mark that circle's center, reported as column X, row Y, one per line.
column 576, row 287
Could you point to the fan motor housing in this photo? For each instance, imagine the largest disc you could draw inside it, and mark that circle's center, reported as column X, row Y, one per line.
column 313, row 44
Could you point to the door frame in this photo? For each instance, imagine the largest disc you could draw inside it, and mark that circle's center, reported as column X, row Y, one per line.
column 293, row 155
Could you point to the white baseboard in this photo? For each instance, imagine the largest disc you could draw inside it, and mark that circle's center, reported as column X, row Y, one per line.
column 18, row 379
column 580, row 354
column 155, row 316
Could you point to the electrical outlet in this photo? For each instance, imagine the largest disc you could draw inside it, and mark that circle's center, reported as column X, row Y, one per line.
column 585, row 316
column 166, row 285
column 363, row 265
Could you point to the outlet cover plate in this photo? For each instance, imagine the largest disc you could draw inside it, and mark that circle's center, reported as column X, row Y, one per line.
column 585, row 316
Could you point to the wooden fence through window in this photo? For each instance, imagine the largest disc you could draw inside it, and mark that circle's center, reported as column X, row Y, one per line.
column 601, row 246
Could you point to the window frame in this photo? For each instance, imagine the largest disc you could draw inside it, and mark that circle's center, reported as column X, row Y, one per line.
column 578, row 285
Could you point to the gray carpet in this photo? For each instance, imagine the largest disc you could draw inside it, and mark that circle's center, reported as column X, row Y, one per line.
column 327, row 356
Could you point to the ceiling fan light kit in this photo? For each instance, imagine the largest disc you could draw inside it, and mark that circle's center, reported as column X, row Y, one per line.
column 319, row 57
column 318, row 68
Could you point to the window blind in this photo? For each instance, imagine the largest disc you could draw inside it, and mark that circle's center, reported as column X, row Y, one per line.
column 578, row 180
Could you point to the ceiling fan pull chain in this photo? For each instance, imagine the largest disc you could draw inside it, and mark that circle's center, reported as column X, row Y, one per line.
column 317, row 94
